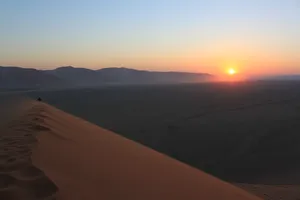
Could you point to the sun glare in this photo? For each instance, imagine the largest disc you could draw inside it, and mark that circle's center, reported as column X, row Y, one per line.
column 231, row 71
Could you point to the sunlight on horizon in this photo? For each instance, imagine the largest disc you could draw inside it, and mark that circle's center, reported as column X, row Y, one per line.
column 259, row 37
column 231, row 71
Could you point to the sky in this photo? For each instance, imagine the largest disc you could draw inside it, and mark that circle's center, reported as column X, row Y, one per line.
column 256, row 37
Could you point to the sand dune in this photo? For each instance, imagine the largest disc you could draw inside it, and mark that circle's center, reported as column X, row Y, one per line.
column 19, row 178
column 48, row 154
column 273, row 192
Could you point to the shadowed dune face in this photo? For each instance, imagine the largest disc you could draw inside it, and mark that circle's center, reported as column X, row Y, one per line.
column 11, row 106
column 273, row 192
column 19, row 178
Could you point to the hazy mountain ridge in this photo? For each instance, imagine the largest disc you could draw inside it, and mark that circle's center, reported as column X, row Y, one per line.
column 294, row 77
column 28, row 78
column 87, row 77
column 17, row 77
column 131, row 76
column 75, row 76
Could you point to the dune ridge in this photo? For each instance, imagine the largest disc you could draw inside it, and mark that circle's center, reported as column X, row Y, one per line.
column 88, row 162
column 19, row 178
column 48, row 154
column 273, row 192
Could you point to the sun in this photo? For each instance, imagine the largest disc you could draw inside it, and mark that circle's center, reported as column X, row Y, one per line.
column 231, row 71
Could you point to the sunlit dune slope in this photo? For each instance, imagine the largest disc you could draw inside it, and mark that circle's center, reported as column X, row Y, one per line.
column 87, row 162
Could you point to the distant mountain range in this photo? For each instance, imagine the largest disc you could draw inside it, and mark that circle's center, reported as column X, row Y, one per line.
column 283, row 78
column 17, row 77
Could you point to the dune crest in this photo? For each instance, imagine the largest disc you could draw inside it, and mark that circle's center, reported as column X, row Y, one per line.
column 87, row 162
column 19, row 178
column 47, row 154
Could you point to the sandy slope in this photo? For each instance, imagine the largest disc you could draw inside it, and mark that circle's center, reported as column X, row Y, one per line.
column 19, row 178
column 87, row 162
column 48, row 154
column 274, row 192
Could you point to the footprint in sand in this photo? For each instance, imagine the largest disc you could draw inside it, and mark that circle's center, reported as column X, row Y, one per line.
column 8, row 188
column 23, row 151
column 6, row 166
column 35, row 182
column 28, row 172
column 11, row 159
column 41, row 128
column 4, row 156
column 24, row 181
column 6, row 180
column 40, row 187
column 14, row 192
column 12, row 143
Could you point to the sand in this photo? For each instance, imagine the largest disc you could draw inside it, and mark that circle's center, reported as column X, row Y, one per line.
column 273, row 192
column 48, row 154
column 19, row 178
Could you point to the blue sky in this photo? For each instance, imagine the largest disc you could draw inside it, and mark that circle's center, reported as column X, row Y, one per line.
column 256, row 35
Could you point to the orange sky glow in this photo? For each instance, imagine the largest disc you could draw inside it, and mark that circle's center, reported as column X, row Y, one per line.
column 256, row 37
